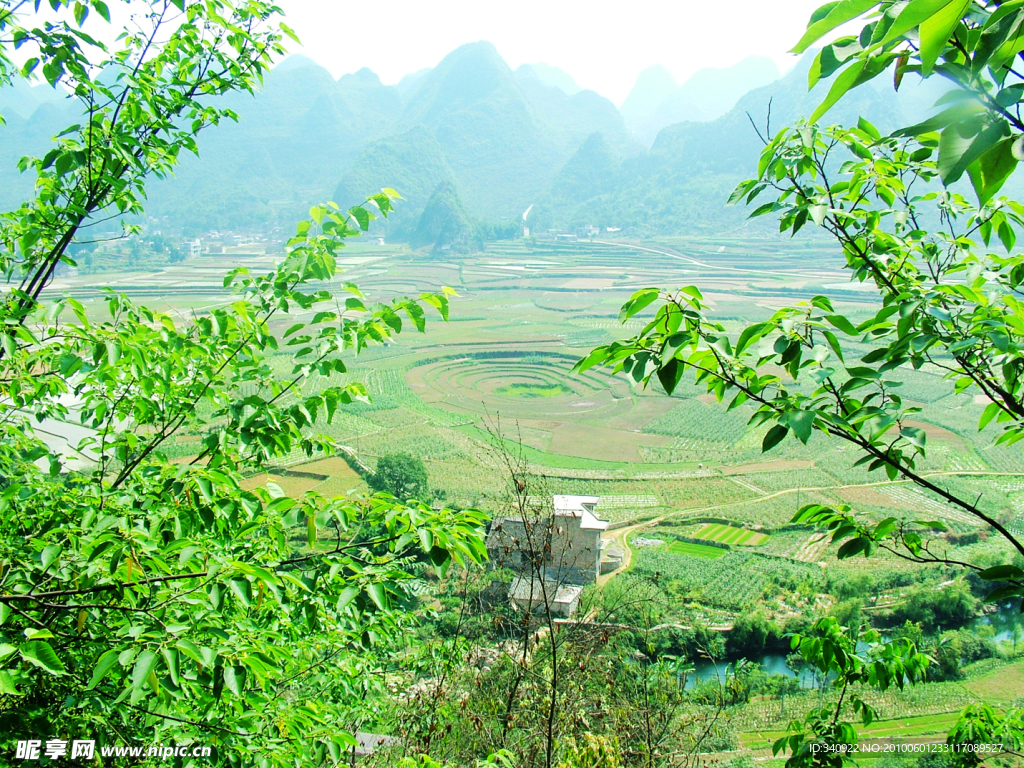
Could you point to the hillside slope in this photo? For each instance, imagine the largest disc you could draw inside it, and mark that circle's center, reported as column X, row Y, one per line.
column 505, row 140
column 502, row 134
column 681, row 185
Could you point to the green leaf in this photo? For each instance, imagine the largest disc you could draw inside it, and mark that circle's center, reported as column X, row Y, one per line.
column 49, row 554
column 311, row 530
column 113, row 352
column 913, row 15
column 191, row 650
column 774, row 436
column 917, row 436
column 990, row 412
column 106, row 661
column 42, row 655
column 218, row 681
column 7, row 686
column 441, row 559
column 144, row 665
column 1010, row 44
column 692, row 290
column 171, row 657
column 243, row 590
column 347, row 596
column 958, row 147
column 378, row 594
column 234, row 679
column 229, row 278
column 802, row 424
column 936, row 30
column 833, row 342
column 992, row 169
column 884, row 528
column 361, row 215
column 842, row 324
column 1002, row 573
column 853, row 547
column 671, row 374
column 288, row 31
column 638, row 302
column 65, row 161
column 839, row 13
column 840, row 86
column 1002, row 593
column 869, row 129
column 750, row 333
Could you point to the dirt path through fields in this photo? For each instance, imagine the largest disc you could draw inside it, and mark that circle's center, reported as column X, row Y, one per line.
column 621, row 535
column 691, row 260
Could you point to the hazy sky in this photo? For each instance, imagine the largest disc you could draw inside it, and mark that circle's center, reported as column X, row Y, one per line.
column 602, row 44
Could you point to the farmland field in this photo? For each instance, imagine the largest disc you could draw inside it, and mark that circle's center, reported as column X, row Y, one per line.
column 696, row 550
column 680, row 469
column 897, row 728
column 1003, row 685
column 727, row 534
column 499, row 374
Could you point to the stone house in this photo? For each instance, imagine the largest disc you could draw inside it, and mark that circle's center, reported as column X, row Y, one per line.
column 565, row 547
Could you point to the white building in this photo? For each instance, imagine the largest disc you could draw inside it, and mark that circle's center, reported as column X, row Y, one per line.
column 195, row 248
column 567, row 545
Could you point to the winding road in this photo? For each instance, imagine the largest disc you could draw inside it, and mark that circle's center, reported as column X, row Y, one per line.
column 621, row 535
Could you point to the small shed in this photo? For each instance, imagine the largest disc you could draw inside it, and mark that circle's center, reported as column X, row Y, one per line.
column 529, row 593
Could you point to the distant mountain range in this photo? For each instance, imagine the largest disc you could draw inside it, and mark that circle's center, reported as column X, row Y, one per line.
column 657, row 101
column 483, row 142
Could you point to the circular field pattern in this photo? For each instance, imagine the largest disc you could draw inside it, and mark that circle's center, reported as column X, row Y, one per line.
column 589, row 415
column 521, row 385
column 522, row 389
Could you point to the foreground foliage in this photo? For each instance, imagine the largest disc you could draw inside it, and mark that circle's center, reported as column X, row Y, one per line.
column 947, row 300
column 145, row 600
column 142, row 596
column 974, row 44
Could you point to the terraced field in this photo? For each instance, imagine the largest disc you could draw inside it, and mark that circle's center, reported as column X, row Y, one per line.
column 498, row 374
column 591, row 415
column 534, row 385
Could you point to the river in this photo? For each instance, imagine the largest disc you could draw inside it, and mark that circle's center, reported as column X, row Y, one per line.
column 1003, row 623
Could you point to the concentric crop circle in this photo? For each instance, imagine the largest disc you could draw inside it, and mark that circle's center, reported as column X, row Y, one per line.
column 532, row 385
